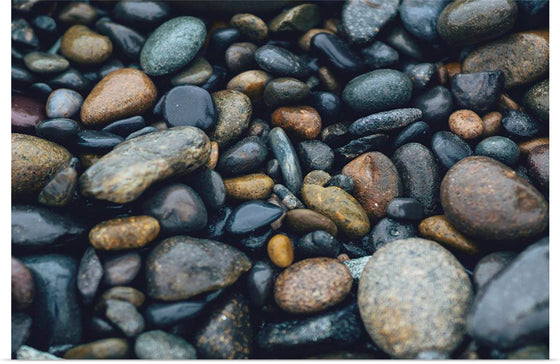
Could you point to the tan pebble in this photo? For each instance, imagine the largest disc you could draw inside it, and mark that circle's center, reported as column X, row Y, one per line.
column 214, row 154
column 251, row 83
column 492, row 123
column 124, row 233
column 303, row 121
column 255, row 186
column 251, row 26
column 304, row 41
column 280, row 250
column 343, row 257
column 527, row 146
column 466, row 124
column 317, row 177
column 507, row 103
column 439, row 229
column 111, row 348
column 84, row 46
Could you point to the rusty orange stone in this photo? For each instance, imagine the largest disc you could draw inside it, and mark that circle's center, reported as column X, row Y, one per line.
column 438, row 228
column 466, row 124
column 124, row 233
column 492, row 123
column 527, row 146
column 280, row 250
column 303, row 121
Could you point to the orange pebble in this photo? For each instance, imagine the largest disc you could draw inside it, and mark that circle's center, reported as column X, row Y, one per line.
column 280, row 250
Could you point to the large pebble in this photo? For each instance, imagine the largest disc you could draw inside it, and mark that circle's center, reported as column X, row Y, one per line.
column 361, row 21
column 477, row 91
column 160, row 345
column 297, row 19
column 26, row 113
column 189, row 106
column 384, row 121
column 233, row 110
column 82, row 45
column 537, row 99
column 45, row 63
column 251, row 83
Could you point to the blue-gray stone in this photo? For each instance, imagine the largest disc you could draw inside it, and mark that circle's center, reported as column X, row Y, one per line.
column 449, row 148
column 383, row 121
column 420, row 17
column 519, row 125
column 356, row 266
column 477, row 91
column 281, row 62
column 421, row 74
column 285, row 153
column 500, row 148
column 44, row 63
column 63, row 103
column 363, row 19
column 379, row 55
column 172, row 45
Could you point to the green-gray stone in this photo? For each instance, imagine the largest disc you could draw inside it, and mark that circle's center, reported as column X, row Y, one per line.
column 172, row 45
column 159, row 345
column 234, row 114
column 196, row 73
column 43, row 63
column 537, row 100
column 500, row 148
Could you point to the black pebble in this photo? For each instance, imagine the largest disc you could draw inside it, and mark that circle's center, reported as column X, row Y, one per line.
column 189, row 105
column 405, row 208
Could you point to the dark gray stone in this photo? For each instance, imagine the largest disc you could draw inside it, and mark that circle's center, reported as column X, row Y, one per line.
column 384, row 121
column 362, row 21
column 284, row 152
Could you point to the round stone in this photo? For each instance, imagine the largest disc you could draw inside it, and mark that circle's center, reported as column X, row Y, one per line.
column 240, row 57
column 251, row 26
column 63, row 103
column 500, row 148
column 466, row 124
column 449, row 148
column 234, row 110
column 280, row 250
column 189, row 106
column 302, row 121
column 257, row 186
column 124, row 233
column 82, row 45
column 492, row 123
column 251, row 83
column 285, row 91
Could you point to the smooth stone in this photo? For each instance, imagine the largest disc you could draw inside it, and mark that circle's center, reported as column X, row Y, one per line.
column 338, row 54
column 71, row 79
column 304, row 42
column 260, row 280
column 327, row 104
column 317, row 177
column 125, row 127
column 388, row 230
column 536, row 99
column 449, row 148
column 120, row 94
column 315, row 155
column 26, row 114
column 281, row 62
column 172, row 45
column 189, row 106
column 376, row 182
column 240, row 57
column 84, row 46
column 317, row 243
column 360, row 146
column 419, row 174
column 23, row 34
column 128, row 42
column 466, row 124
column 328, row 279
column 23, row 288
column 78, row 13
column 196, row 73
column 304, row 221
column 142, row 15
column 285, row 91
column 384, row 121
column 90, row 272
column 221, row 39
column 128, row 294
column 361, row 21
column 280, row 250
column 477, row 91
column 59, row 130
column 125, row 316
column 484, row 199
column 379, row 55
column 124, row 233
column 111, row 348
column 526, row 147
column 250, row 26
column 233, row 110
column 176, row 263
column 538, row 167
column 255, row 242
column 106, row 68
column 159, row 345
column 417, row 132
column 216, row 227
column 252, row 215
column 500, row 148
column 513, row 308
column 302, row 121
column 28, row 353
column 297, row 19
column 437, row 228
column 124, row 173
column 285, row 153
column 378, row 90
column 420, row 18
column 436, row 105
column 55, row 287
column 522, row 57
column 210, row 187
column 356, row 266
column 342, row 181
column 121, row 269
column 520, row 126
column 34, row 162
column 251, row 83
column 405, row 208
column 287, row 198
column 63, row 103
column 245, row 156
column 489, row 266
column 96, row 141
column 21, row 77
column 143, row 131
column 45, row 63
column 21, row 329
column 255, row 186
column 426, row 314
column 339, row 206
column 337, row 328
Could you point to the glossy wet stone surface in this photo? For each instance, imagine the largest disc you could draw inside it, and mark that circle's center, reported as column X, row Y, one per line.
column 189, row 106
column 251, row 216
column 26, row 114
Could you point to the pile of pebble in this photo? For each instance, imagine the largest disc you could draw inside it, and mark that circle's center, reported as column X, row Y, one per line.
column 280, row 179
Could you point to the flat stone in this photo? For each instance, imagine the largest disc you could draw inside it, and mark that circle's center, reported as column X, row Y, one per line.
column 499, row 148
column 362, row 20
column 90, row 272
column 196, row 73
column 84, row 46
column 112, row 348
column 536, row 99
column 128, row 294
column 251, row 83
column 384, row 121
column 125, row 317
column 159, row 345
column 256, row 186
column 124, row 233
column 252, row 215
column 45, row 63
column 245, row 156
column 297, row 19
column 233, row 109
column 63, row 103
column 285, row 153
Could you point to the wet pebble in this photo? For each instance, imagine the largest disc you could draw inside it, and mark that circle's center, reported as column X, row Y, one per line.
column 252, row 215
column 417, row 132
column 301, row 121
column 111, row 348
column 388, row 230
column 23, row 288
column 384, row 121
column 125, row 316
column 436, row 105
column 96, row 141
column 124, row 233
column 317, row 243
column 63, row 103
column 466, row 124
column 280, row 250
column 285, row 91
column 125, row 127
column 537, row 99
column 297, row 19
column 305, row 220
column 255, row 186
column 128, row 42
column 285, row 153
column 405, row 208
column 196, row 73
column 160, row 345
column 379, row 55
column 45, row 63
column 362, row 22
column 251, row 26
column 449, row 148
column 240, row 56
column 245, row 156
column 26, row 114
column 281, row 62
column 538, row 166
column 210, row 187
column 421, row 75
column 260, row 280
column 420, row 18
column 500, row 148
column 519, row 125
column 337, row 53
column 315, row 155
column 189, row 106
column 90, row 272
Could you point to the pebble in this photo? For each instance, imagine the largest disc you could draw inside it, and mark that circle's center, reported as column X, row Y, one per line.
column 96, row 141
column 128, row 294
column 489, row 266
column 384, row 121
column 360, row 146
column 233, row 110
column 327, row 104
column 538, row 167
column 500, row 148
column 196, row 73
column 356, row 266
column 159, row 345
column 63, row 103
column 339, row 206
column 317, row 177
column 228, row 333
column 121, row 269
column 260, row 280
column 59, row 191
column 285, row 91
column 21, row 77
column 172, row 45
column 175, row 263
column 302, row 220
column 302, row 121
column 406, row 44
column 417, row 132
column 45, row 63
column 26, row 114
column 437, row 228
column 285, row 153
column 78, row 13
column 250, row 26
column 255, row 242
column 111, row 348
column 125, row 316
column 125, row 127
column 327, row 278
column 337, row 53
column 127, row 41
column 257, row 186
column 519, row 126
column 245, row 156
column 466, row 124
column 425, row 313
column 220, row 39
column 189, row 106
column 522, row 57
column 389, row 230
column 420, row 18
column 124, row 233
column 361, row 21
column 449, row 148
column 84, row 46
column 315, row 155
column 142, row 15
column 477, row 91
column 513, row 307
column 405, row 208
column 90, row 272
column 28, row 353
column 342, row 181
column 240, row 57
column 304, row 41
column 492, row 123
column 124, row 173
column 280, row 250
column 317, row 243
column 436, row 105
column 251, row 216
column 468, row 22
column 251, row 83
column 120, row 94
column 23, row 34
column 377, row 91
column 300, row 18
column 379, row 55
column 526, row 147
column 279, row 61
column 71, row 79
column 536, row 99
column 530, row 352
column 484, row 199
column 23, row 289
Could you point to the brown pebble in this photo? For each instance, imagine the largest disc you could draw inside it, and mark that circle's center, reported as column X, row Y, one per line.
column 331, row 24
column 280, row 250
column 120, row 94
column 256, row 186
column 78, row 13
column 343, row 257
column 442, row 75
column 439, row 229
column 527, row 146
column 507, row 103
column 251, row 83
column 251, row 26
column 112, row 348
column 214, row 154
column 303, row 121
column 538, row 166
column 124, row 233
column 305, row 220
column 317, row 177
column 23, row 288
column 304, row 41
column 453, row 68
column 312, row 285
column 466, row 124
column 84, row 46
column 87, row 160
column 328, row 80
column 492, row 123
column 128, row 294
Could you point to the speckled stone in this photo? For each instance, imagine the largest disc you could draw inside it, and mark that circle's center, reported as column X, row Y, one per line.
column 489, row 266
column 339, row 206
column 526, row 146
column 59, row 191
column 414, row 296
column 305, row 220
column 520, row 126
column 285, row 91
column 28, row 353
column 285, row 153
column 23, row 289
column 228, row 333
column 251, row 83
column 234, row 111
column 302, row 121
column 437, row 228
column 84, row 46
column 280, row 61
column 385, row 121
column 500, row 148
column 172, row 45
column 34, row 162
column 484, row 199
column 120, row 94
column 297, row 19
column 356, row 266
column 45, row 63
column 247, row 155
column 376, row 182
column 124, row 173
column 328, row 279
column 124, row 233
column 160, row 345
column 315, row 155
column 125, row 316
column 466, row 124
column 537, row 98
column 196, row 73
column 63, row 103
column 250, row 26
column 522, row 57
column 477, row 91
column 182, row 267
column 492, row 123
column 362, row 20
column 257, row 186
column 420, row 17
column 112, row 348
column 121, row 269
column 317, row 177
